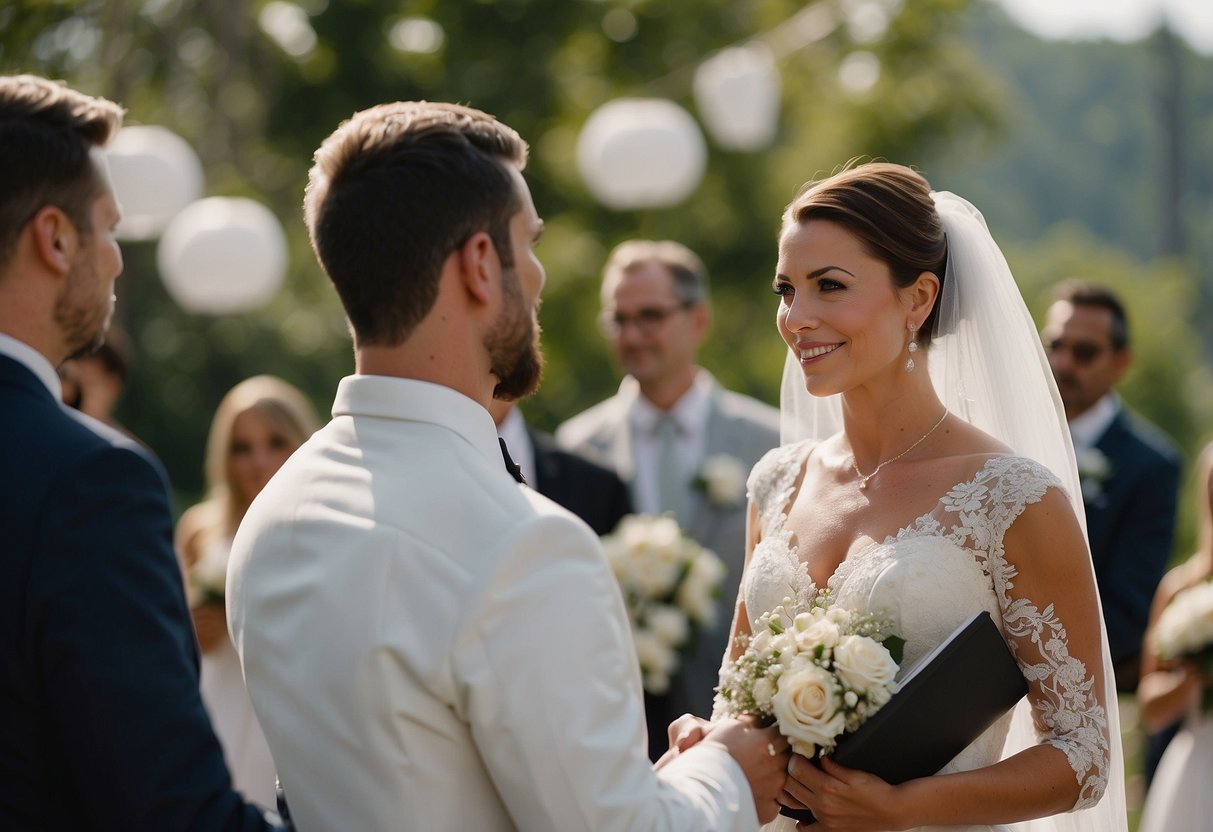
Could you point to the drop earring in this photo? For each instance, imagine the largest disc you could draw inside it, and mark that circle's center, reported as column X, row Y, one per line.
column 912, row 348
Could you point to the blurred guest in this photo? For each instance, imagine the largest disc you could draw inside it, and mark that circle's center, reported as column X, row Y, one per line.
column 104, row 727
column 93, row 382
column 1179, row 799
column 592, row 492
column 681, row 442
column 257, row 426
column 1129, row 470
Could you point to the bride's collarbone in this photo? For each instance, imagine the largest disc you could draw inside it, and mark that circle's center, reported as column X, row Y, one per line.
column 832, row 521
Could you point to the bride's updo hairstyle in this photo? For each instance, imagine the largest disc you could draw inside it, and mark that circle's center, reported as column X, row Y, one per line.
column 889, row 208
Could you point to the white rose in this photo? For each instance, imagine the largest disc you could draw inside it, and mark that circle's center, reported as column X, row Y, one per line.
column 864, row 665
column 785, row 645
column 654, row 655
column 822, row 631
column 760, row 645
column 669, row 624
column 807, row 708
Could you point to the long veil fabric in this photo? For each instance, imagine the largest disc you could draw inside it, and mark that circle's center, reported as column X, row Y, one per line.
column 988, row 367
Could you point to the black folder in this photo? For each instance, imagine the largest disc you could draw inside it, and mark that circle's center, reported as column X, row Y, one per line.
column 945, row 701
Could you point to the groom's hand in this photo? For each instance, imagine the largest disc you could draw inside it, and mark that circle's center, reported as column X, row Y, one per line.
column 763, row 754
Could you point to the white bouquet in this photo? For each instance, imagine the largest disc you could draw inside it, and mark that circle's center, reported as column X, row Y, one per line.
column 1185, row 628
column 206, row 579
column 816, row 669
column 670, row 586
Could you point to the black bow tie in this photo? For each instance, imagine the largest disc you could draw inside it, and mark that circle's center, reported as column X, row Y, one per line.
column 510, row 465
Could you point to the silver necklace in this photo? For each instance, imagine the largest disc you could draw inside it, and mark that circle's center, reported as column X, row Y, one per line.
column 863, row 481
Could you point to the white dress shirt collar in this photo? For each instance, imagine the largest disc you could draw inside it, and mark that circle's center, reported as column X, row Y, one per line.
column 1087, row 428
column 690, row 412
column 36, row 362
column 518, row 440
column 388, row 397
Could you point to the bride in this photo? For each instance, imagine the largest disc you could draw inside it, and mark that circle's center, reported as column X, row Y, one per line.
column 927, row 474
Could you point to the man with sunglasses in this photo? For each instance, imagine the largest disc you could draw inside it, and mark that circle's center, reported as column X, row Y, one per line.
column 680, row 441
column 1129, row 470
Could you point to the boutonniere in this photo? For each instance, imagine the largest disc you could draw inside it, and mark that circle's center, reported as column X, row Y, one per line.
column 1094, row 469
column 722, row 479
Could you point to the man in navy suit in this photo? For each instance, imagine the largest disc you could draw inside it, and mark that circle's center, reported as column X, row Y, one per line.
column 103, row 727
column 1129, row 470
column 591, row 491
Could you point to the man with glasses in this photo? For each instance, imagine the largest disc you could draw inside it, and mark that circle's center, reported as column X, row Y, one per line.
column 681, row 442
column 1129, row 470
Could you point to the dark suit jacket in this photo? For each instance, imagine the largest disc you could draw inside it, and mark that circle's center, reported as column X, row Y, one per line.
column 591, row 491
column 1131, row 523
column 103, row 726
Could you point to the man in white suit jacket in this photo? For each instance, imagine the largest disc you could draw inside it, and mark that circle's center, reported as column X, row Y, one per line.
column 429, row 645
column 655, row 315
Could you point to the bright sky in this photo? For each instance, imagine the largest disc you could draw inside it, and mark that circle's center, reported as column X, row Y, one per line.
column 1117, row 19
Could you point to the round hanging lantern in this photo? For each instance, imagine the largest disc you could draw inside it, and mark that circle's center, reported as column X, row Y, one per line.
column 737, row 92
column 641, row 153
column 155, row 174
column 222, row 255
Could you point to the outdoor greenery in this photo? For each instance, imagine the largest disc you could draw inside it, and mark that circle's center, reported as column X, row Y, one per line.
column 1061, row 145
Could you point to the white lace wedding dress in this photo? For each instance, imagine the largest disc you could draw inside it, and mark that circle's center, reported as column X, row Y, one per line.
column 933, row 575
column 1180, row 799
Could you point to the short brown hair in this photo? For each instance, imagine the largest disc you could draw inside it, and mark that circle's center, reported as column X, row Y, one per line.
column 393, row 191
column 689, row 273
column 1096, row 295
column 47, row 130
column 889, row 208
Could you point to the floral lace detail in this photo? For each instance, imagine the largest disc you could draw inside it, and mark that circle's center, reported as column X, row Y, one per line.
column 770, row 486
column 1077, row 725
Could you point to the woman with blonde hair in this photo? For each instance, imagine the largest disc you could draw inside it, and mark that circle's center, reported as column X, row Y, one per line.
column 257, row 426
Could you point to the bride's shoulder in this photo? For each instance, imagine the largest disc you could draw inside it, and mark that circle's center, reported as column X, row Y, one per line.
column 777, row 467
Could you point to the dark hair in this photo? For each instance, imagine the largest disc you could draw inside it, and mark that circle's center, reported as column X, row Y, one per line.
column 1087, row 293
column 889, row 208
column 689, row 273
column 393, row 191
column 47, row 130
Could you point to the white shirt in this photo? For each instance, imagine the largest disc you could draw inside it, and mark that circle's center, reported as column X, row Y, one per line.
column 513, row 431
column 37, row 363
column 1087, row 428
column 430, row 646
column 690, row 413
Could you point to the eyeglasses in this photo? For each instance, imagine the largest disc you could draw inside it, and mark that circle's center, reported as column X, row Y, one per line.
column 1083, row 352
column 647, row 320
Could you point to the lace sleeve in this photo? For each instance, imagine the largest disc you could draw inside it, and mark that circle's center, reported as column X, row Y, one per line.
column 1038, row 561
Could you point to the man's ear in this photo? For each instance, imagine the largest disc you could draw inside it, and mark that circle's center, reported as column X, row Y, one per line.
column 701, row 318
column 54, row 239
column 479, row 266
column 1121, row 361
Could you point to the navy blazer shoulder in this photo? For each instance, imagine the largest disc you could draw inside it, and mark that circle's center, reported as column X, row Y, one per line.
column 104, row 726
column 593, row 492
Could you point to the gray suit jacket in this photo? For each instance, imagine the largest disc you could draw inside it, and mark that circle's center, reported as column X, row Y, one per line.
column 739, row 426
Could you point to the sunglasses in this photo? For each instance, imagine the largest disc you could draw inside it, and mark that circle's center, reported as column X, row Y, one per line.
column 1083, row 352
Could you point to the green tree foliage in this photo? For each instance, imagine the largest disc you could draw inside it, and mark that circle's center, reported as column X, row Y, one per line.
column 256, row 106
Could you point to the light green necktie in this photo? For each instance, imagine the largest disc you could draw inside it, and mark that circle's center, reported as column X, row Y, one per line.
column 672, row 493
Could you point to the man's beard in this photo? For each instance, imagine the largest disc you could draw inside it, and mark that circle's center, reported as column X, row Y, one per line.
column 83, row 322
column 514, row 353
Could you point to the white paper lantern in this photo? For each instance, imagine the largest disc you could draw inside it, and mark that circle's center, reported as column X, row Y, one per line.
column 737, row 92
column 641, row 153
column 222, row 255
column 155, row 174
